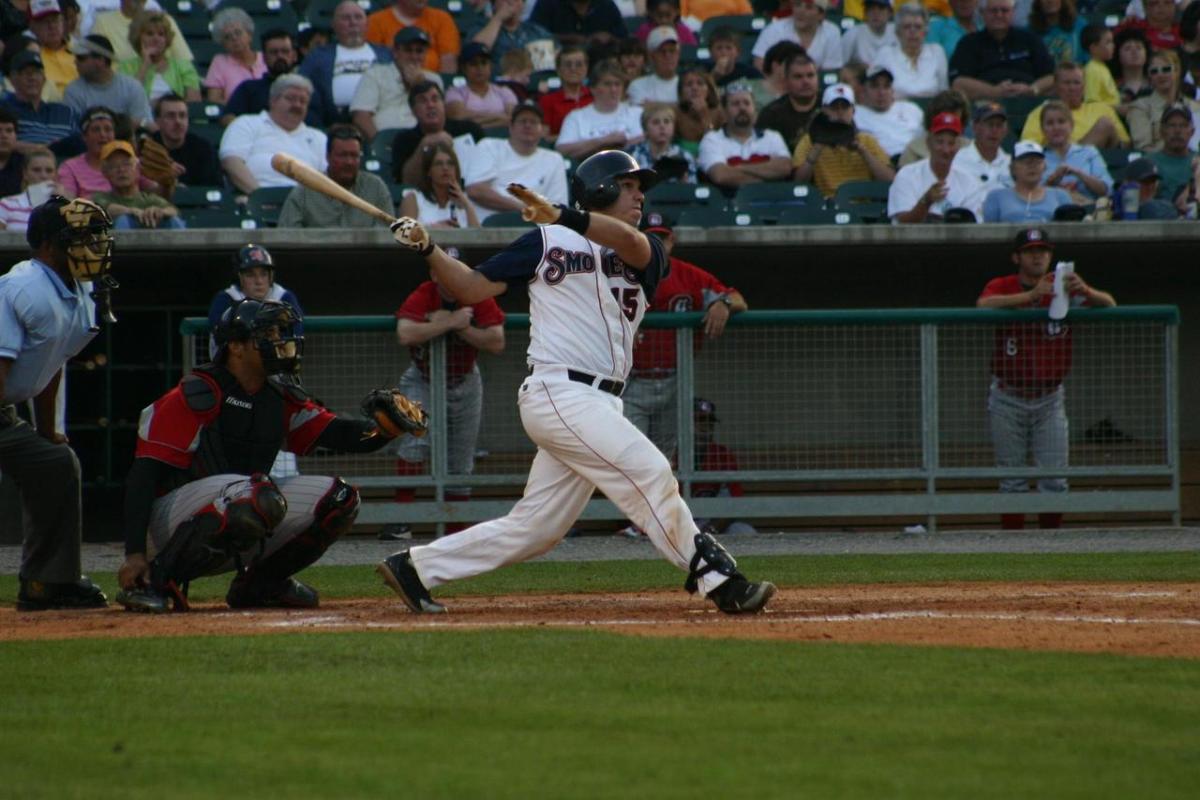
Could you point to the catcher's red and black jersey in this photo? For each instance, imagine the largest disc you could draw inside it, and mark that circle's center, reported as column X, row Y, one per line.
column 210, row 425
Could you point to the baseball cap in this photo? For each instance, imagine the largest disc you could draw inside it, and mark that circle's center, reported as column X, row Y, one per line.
column 527, row 105
column 1026, row 148
column 1032, row 237
column 945, row 121
column 1176, row 109
column 117, row 146
column 660, row 36
column 95, row 44
column 986, row 109
column 410, row 34
column 96, row 113
column 839, row 92
column 654, row 222
column 472, row 51
column 879, row 69
column 23, row 59
column 43, row 8
column 705, row 408
column 1142, row 169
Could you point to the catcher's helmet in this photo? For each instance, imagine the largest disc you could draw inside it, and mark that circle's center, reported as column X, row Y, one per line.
column 271, row 325
column 249, row 256
column 79, row 227
column 595, row 183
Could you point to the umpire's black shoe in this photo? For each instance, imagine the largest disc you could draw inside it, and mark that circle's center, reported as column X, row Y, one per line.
column 42, row 596
column 398, row 572
column 740, row 596
column 288, row 593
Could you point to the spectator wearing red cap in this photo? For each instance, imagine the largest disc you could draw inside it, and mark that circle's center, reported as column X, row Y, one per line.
column 923, row 190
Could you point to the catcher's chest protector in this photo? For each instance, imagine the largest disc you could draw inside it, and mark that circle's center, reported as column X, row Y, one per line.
column 247, row 433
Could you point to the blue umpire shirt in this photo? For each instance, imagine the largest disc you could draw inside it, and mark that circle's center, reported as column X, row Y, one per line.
column 42, row 324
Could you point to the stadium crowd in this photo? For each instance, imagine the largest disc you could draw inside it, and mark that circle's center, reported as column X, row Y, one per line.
column 771, row 111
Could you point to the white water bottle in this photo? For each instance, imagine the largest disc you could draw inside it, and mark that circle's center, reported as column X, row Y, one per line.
column 1062, row 297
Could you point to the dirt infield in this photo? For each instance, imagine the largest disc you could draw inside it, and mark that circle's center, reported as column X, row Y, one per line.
column 1155, row 619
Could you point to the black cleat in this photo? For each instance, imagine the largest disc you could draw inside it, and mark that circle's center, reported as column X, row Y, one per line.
column 740, row 596
column 399, row 573
column 42, row 596
column 395, row 532
column 288, row 593
column 143, row 600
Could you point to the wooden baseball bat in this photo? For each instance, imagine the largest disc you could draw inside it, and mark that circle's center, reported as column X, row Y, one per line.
column 305, row 175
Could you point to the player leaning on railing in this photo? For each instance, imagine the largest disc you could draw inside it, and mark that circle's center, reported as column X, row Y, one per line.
column 589, row 272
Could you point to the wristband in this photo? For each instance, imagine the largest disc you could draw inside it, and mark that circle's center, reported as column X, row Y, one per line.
column 574, row 219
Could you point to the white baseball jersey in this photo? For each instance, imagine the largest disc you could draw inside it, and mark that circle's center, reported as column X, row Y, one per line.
column 585, row 304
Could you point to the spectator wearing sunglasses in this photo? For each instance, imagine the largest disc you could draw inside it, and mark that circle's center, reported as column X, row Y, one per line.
column 1146, row 113
column 305, row 208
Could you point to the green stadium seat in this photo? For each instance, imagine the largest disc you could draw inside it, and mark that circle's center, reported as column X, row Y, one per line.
column 674, row 193
column 867, row 199
column 204, row 51
column 754, row 196
column 381, row 145
column 747, row 25
column 210, row 133
column 214, row 197
column 215, row 218
column 191, row 16
column 714, row 218
column 265, row 204
column 816, row 215
column 397, row 190
column 829, row 77
column 498, row 132
column 1118, row 157
column 203, row 112
column 506, row 219
column 283, row 17
column 1018, row 109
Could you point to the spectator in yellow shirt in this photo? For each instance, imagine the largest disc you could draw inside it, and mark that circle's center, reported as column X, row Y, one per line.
column 1098, row 83
column 834, row 152
column 1096, row 124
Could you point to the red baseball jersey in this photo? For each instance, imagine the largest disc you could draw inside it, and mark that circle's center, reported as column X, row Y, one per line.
column 1031, row 355
column 170, row 430
column 686, row 288
column 714, row 457
column 460, row 356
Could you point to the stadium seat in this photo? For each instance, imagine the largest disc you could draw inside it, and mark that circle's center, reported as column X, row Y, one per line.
column 210, row 133
column 816, row 215
column 397, row 190
column 867, row 199
column 381, row 145
column 191, row 16
column 265, row 204
column 203, row 112
column 747, row 25
column 754, row 196
column 498, row 132
column 674, row 193
column 1018, row 109
column 197, row 197
column 506, row 219
column 829, row 77
column 714, row 218
column 319, row 13
column 204, row 50
column 1118, row 157
column 215, row 218
column 283, row 17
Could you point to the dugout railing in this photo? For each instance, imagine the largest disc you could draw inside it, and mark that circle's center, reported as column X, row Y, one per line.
column 830, row 414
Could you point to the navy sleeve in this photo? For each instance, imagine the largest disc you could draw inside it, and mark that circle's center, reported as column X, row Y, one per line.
column 290, row 298
column 220, row 303
column 656, row 270
column 519, row 261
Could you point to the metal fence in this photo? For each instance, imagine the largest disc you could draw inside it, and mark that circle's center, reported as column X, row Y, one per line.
column 830, row 414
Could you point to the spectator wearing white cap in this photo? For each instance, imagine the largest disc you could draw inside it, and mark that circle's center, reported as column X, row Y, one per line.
column 919, row 68
column 834, row 151
column 46, row 24
column 923, row 190
column 738, row 154
column 807, row 27
column 661, row 85
column 861, row 43
column 1028, row 199
column 892, row 122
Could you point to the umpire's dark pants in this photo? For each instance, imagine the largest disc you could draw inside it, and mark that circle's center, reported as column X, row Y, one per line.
column 47, row 476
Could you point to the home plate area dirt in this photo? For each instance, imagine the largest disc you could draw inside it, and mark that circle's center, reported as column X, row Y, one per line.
column 1154, row 619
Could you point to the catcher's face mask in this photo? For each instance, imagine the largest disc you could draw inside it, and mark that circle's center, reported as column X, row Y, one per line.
column 277, row 340
column 87, row 240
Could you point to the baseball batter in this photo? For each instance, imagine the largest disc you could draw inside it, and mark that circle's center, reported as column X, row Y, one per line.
column 589, row 272
column 1030, row 360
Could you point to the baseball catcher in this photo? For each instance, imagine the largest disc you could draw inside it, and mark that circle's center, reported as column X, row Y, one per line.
column 198, row 498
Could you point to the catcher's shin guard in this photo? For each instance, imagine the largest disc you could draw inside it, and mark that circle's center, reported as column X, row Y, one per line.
column 266, row 581
column 241, row 517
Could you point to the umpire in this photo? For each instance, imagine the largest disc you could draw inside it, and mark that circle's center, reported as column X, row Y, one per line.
column 46, row 318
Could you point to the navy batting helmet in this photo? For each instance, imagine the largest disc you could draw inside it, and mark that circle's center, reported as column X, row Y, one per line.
column 249, row 256
column 596, row 183
column 271, row 325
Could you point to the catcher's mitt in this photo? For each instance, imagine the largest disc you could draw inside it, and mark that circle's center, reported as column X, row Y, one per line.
column 156, row 163
column 411, row 234
column 538, row 209
column 394, row 414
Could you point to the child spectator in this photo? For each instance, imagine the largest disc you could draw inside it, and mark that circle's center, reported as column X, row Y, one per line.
column 632, row 56
column 1098, row 83
column 1129, row 66
column 661, row 13
column 725, row 46
column 516, row 69
column 668, row 160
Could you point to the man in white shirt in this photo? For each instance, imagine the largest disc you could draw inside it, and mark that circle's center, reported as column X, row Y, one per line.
column 251, row 140
column 381, row 99
column 983, row 162
column 893, row 123
column 807, row 27
column 607, row 124
column 923, row 190
column 861, row 42
column 737, row 154
column 662, row 85
column 517, row 159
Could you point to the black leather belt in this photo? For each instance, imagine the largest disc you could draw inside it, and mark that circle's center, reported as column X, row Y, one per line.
column 605, row 385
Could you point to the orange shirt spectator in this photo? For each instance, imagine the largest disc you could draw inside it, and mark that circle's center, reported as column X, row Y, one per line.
column 445, row 43
column 703, row 9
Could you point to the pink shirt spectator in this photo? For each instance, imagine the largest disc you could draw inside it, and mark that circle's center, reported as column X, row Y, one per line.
column 15, row 211
column 495, row 101
column 225, row 73
column 683, row 31
column 78, row 179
